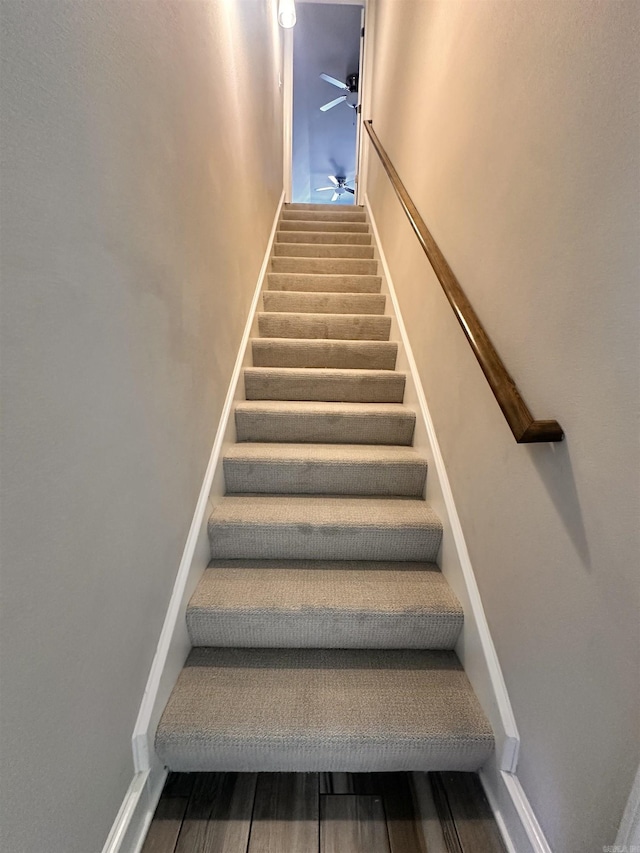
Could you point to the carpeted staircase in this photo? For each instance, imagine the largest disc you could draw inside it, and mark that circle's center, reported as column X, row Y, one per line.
column 323, row 629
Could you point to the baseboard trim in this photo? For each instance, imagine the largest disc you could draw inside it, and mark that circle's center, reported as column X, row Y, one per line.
column 173, row 645
column 628, row 837
column 130, row 827
column 513, row 813
column 486, row 679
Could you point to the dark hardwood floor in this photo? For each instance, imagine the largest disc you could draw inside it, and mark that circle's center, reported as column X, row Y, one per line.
column 323, row 813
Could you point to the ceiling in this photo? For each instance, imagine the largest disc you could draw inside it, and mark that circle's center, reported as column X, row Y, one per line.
column 326, row 38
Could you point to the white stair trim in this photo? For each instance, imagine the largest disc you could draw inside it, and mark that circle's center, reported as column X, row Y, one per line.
column 174, row 645
column 131, row 825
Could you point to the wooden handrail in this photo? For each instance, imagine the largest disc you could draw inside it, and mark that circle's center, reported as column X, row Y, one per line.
column 524, row 426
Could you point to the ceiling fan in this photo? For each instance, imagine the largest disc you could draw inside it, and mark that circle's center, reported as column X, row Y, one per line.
column 339, row 187
column 350, row 88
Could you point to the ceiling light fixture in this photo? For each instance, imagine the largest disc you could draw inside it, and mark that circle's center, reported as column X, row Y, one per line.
column 286, row 13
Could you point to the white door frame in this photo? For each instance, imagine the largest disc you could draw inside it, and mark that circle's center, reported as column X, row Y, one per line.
column 365, row 72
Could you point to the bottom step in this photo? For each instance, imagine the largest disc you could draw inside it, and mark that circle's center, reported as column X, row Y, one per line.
column 316, row 709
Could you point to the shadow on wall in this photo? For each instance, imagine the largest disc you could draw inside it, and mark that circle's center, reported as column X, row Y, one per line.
column 553, row 464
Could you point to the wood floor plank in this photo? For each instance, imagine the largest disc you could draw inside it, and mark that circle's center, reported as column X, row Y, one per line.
column 444, row 813
column 352, row 824
column 230, row 819
column 286, row 814
column 178, row 785
column 427, row 813
column 367, row 784
column 475, row 824
column 193, row 834
column 336, row 783
column 165, row 826
column 403, row 819
column 356, row 813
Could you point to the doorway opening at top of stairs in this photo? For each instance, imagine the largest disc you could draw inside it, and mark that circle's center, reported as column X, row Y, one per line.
column 327, row 39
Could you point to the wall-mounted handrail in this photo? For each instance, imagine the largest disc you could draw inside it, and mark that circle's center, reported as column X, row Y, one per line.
column 524, row 426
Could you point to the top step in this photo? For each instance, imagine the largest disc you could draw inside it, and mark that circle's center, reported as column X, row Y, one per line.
column 353, row 214
column 322, row 207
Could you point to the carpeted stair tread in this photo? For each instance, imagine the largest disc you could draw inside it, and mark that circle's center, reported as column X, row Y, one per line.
column 326, row 266
column 324, row 384
column 324, row 469
column 338, row 214
column 322, row 710
column 315, row 604
column 352, row 237
column 322, row 422
column 329, row 283
column 323, row 250
column 319, row 352
column 322, row 225
column 361, row 327
column 303, row 302
column 324, row 528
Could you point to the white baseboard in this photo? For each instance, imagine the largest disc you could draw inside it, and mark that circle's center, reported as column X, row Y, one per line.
column 513, row 813
column 132, row 822
column 475, row 648
column 628, row 837
column 174, row 645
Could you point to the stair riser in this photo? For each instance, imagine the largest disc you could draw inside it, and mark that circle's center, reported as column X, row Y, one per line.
column 322, row 542
column 326, row 266
column 323, row 629
column 325, row 326
column 338, row 214
column 308, row 478
column 323, row 303
column 313, row 283
column 368, row 388
column 305, row 225
column 358, row 355
column 343, row 755
column 319, row 250
column 325, row 429
column 328, row 237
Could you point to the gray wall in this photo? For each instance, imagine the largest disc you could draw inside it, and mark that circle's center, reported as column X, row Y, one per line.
column 515, row 129
column 141, row 169
column 326, row 39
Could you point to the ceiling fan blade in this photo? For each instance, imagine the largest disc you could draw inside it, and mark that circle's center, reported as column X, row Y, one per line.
column 349, row 190
column 334, row 196
column 322, row 189
column 335, row 82
column 333, row 179
column 333, row 103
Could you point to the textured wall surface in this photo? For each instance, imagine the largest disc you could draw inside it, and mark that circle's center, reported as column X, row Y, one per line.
column 515, row 129
column 141, row 169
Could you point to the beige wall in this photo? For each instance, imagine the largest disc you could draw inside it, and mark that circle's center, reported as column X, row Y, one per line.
column 515, row 128
column 141, row 170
